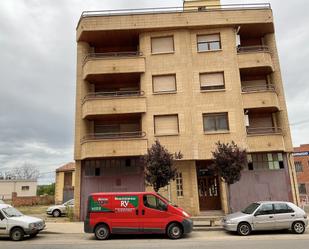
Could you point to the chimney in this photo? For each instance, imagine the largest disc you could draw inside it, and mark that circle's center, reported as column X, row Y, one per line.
column 200, row 4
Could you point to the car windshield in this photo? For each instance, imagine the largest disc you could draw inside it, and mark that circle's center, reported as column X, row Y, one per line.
column 251, row 208
column 12, row 212
column 70, row 202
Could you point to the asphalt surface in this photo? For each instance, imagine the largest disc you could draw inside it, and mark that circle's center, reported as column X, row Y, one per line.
column 201, row 239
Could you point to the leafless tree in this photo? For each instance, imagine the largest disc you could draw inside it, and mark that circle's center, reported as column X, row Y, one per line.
column 25, row 172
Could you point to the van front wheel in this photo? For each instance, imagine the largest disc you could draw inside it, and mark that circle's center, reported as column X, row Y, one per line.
column 174, row 231
column 101, row 232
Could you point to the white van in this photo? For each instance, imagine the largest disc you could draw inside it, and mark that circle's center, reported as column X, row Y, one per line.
column 16, row 225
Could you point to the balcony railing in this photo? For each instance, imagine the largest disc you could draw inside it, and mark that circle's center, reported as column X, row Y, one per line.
column 116, row 94
column 163, row 10
column 108, row 55
column 259, row 88
column 256, row 48
column 113, row 135
column 263, row 130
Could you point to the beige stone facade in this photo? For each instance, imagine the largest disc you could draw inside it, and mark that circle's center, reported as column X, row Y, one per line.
column 116, row 104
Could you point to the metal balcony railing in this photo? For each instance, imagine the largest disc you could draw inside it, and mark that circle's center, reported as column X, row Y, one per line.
column 259, row 88
column 163, row 10
column 108, row 55
column 113, row 135
column 256, row 48
column 115, row 94
column 263, row 130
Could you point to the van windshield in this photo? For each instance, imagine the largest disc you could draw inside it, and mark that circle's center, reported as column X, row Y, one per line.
column 167, row 200
column 12, row 212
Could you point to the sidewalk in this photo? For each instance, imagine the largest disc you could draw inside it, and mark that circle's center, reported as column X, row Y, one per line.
column 78, row 227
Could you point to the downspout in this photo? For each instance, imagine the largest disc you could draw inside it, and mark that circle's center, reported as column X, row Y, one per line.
column 293, row 179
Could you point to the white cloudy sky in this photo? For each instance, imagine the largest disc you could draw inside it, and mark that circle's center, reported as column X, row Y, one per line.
column 37, row 65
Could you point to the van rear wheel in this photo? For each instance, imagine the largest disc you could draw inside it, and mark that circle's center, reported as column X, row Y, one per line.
column 101, row 232
column 174, row 231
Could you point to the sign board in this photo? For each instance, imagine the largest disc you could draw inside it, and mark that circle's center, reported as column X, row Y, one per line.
column 303, row 153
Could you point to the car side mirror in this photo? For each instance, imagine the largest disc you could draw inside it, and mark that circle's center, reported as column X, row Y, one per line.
column 257, row 213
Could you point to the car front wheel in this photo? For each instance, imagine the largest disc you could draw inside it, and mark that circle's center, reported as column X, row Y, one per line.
column 298, row 227
column 244, row 229
column 56, row 213
column 17, row 234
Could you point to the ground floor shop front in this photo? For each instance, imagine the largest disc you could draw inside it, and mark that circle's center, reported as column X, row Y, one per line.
column 197, row 187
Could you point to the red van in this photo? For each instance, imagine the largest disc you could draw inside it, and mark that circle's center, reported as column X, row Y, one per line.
column 134, row 213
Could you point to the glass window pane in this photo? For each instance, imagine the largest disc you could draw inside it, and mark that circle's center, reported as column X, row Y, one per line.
column 214, row 45
column 222, row 122
column 209, row 124
column 202, row 47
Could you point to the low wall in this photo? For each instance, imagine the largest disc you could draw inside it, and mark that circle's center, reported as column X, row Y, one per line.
column 32, row 200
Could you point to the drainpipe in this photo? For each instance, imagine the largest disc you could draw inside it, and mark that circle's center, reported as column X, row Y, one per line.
column 293, row 179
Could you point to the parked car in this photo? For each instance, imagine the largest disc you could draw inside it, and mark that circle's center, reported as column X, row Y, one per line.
column 267, row 215
column 140, row 212
column 16, row 225
column 58, row 210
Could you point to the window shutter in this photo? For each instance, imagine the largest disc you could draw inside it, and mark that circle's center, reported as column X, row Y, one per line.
column 208, row 38
column 162, row 44
column 166, row 125
column 164, row 83
column 211, row 79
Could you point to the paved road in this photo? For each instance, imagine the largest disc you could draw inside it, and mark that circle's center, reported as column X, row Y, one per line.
column 198, row 240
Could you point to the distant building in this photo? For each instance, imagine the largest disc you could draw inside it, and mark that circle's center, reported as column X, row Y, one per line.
column 301, row 160
column 23, row 188
column 64, row 187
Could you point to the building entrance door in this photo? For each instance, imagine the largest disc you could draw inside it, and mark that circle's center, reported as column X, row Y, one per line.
column 208, row 187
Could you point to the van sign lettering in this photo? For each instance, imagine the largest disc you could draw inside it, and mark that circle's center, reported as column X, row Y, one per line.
column 126, row 204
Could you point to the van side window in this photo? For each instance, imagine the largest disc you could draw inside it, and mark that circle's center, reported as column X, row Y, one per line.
column 153, row 202
column 1, row 216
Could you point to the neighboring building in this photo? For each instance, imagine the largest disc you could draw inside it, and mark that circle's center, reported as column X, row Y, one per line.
column 301, row 160
column 187, row 76
column 23, row 188
column 65, row 181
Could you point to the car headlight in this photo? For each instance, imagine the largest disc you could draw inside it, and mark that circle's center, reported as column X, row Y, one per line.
column 184, row 213
column 32, row 225
column 229, row 222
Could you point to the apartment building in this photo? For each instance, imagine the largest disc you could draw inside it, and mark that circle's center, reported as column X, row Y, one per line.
column 187, row 76
column 301, row 160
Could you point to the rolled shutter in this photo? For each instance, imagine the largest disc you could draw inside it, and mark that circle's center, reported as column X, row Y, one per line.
column 211, row 79
column 162, row 44
column 164, row 83
column 166, row 125
column 208, row 38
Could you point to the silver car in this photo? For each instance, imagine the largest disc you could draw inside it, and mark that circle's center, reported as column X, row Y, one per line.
column 58, row 210
column 267, row 215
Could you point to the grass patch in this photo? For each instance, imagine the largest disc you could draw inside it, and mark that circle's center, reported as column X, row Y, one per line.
column 28, row 210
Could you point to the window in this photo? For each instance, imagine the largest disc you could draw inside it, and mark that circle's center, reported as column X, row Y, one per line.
column 153, row 202
column 166, row 125
column 25, row 188
column 302, row 188
column 179, row 184
column 215, row 122
column 265, row 209
column 162, row 45
column 211, row 81
column 1, row 216
column 298, row 167
column 265, row 161
column 282, row 208
column 208, row 42
column 164, row 83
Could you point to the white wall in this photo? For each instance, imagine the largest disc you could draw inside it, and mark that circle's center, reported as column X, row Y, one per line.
column 9, row 186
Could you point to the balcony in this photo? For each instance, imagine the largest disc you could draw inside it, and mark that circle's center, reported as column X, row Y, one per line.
column 113, row 144
column 260, row 96
column 119, row 102
column 113, row 63
column 272, row 140
column 254, row 56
